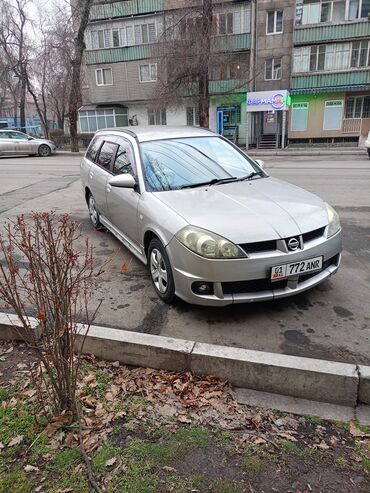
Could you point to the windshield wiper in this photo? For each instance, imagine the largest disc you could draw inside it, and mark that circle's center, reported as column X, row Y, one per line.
column 215, row 181
column 251, row 175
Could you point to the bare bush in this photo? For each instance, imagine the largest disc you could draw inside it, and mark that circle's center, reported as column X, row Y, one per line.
column 43, row 272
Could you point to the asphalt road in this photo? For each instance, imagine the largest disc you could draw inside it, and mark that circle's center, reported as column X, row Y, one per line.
column 332, row 321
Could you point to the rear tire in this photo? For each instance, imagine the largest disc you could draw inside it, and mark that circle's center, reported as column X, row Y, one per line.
column 161, row 272
column 368, row 151
column 44, row 150
column 93, row 213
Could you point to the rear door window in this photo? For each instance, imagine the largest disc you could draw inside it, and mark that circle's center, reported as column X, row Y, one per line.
column 106, row 155
column 94, row 147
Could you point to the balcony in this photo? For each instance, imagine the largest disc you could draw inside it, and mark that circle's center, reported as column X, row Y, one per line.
column 331, row 32
column 122, row 9
column 354, row 80
column 230, row 43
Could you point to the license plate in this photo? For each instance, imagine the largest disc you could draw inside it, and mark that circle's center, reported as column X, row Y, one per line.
column 296, row 268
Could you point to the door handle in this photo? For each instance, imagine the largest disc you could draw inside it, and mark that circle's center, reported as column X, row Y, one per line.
column 109, row 188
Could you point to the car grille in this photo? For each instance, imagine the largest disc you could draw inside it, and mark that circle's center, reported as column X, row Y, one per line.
column 261, row 246
column 312, row 235
column 257, row 285
column 271, row 245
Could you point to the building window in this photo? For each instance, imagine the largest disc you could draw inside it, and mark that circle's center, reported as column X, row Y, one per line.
column 103, row 77
column 273, row 69
column 333, row 115
column 317, row 58
column 315, row 11
column 358, row 107
column 192, row 117
column 299, row 117
column 232, row 114
column 274, row 22
column 360, row 54
column 157, row 117
column 124, row 36
column 93, row 120
column 148, row 72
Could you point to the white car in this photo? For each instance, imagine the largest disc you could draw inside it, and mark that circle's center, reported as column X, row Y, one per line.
column 367, row 144
column 14, row 142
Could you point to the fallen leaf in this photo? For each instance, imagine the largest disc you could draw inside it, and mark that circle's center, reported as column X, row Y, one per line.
column 322, row 445
column 124, row 267
column 356, row 432
column 29, row 468
column 259, row 441
column 111, row 462
column 1, row 445
column 57, row 423
column 287, row 436
column 15, row 441
column 168, row 469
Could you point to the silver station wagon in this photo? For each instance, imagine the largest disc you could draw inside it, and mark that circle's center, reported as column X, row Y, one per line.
column 213, row 227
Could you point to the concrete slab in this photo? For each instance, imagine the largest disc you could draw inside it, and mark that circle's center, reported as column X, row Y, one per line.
column 144, row 350
column 11, row 328
column 364, row 387
column 363, row 415
column 293, row 405
column 305, row 378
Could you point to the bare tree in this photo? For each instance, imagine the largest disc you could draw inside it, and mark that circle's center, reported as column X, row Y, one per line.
column 81, row 11
column 190, row 56
column 15, row 46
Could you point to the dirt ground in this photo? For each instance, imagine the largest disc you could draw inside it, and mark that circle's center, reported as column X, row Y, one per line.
column 151, row 431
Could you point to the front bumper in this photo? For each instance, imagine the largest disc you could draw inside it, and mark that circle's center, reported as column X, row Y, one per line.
column 248, row 279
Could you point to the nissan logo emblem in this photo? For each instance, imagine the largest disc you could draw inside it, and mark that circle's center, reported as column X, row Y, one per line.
column 293, row 244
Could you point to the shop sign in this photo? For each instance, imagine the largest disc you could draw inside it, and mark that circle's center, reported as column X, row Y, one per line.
column 268, row 101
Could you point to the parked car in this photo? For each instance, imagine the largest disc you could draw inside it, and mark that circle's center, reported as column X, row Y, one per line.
column 213, row 227
column 367, row 144
column 14, row 142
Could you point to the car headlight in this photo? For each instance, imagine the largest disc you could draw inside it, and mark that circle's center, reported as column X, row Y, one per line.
column 208, row 244
column 334, row 223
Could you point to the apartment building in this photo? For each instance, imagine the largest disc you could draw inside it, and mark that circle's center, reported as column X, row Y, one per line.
column 298, row 71
column 121, row 71
column 330, row 82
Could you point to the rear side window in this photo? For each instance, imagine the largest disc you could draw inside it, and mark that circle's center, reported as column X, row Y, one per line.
column 106, row 155
column 94, row 147
column 124, row 162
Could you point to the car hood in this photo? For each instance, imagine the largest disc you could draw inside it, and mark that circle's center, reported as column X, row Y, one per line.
column 250, row 211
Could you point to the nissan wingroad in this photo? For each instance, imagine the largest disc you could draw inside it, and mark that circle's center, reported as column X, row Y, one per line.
column 213, row 227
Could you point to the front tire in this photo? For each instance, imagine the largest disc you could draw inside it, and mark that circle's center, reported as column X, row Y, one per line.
column 161, row 272
column 44, row 150
column 93, row 213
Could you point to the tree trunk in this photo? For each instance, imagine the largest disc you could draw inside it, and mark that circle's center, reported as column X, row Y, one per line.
column 22, row 103
column 75, row 93
column 203, row 100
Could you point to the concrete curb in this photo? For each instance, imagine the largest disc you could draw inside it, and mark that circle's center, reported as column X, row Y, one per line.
column 305, row 378
column 11, row 328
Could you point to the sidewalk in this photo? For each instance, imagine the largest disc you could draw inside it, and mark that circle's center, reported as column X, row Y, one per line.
column 309, row 151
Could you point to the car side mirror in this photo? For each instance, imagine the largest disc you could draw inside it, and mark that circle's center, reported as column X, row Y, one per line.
column 30, row 138
column 260, row 163
column 123, row 181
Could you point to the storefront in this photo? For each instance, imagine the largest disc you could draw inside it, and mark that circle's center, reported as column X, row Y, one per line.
column 267, row 111
column 329, row 118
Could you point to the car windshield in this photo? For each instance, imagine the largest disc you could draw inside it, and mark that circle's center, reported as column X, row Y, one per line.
column 188, row 162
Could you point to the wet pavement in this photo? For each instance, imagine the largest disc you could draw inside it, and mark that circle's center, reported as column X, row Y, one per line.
column 331, row 321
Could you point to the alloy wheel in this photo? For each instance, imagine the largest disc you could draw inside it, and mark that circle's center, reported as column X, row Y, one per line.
column 44, row 150
column 92, row 211
column 158, row 271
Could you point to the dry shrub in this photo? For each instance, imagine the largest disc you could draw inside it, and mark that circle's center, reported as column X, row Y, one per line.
column 42, row 271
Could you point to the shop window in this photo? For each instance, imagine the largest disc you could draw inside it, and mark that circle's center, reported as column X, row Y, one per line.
column 333, row 115
column 299, row 117
column 358, row 107
column 157, row 117
column 273, row 69
column 231, row 114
